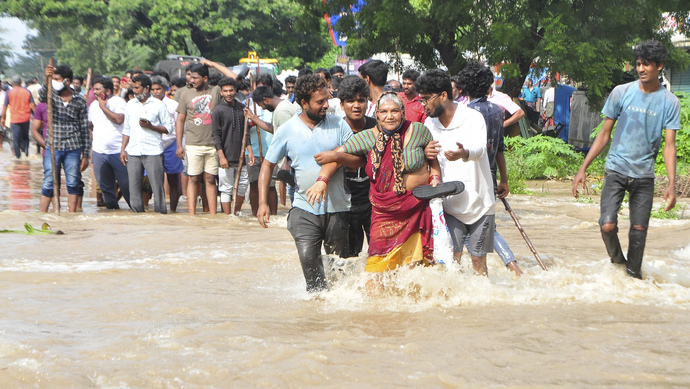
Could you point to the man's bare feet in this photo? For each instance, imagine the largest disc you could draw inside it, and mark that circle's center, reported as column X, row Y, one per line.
column 479, row 265
column 457, row 257
column 515, row 268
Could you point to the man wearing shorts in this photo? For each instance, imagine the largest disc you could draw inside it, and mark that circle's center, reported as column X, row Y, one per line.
column 194, row 110
column 643, row 109
column 460, row 145
column 228, row 134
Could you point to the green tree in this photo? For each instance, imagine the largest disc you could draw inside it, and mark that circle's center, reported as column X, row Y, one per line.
column 5, row 54
column 589, row 40
column 116, row 33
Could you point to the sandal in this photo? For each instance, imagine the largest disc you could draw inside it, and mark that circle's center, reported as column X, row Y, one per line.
column 428, row 192
column 286, row 177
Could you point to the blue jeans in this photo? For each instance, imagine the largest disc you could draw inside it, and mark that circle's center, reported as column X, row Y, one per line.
column 71, row 160
column 110, row 172
column 640, row 204
column 20, row 133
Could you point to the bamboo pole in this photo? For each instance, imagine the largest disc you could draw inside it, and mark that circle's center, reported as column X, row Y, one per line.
column 258, row 130
column 524, row 235
column 239, row 165
column 87, row 87
column 51, row 142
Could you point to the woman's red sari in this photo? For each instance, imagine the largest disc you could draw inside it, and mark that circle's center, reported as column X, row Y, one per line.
column 401, row 229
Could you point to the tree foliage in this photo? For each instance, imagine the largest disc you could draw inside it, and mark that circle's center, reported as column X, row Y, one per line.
column 589, row 40
column 119, row 34
column 5, row 54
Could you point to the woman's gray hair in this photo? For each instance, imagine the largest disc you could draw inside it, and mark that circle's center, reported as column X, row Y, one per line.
column 160, row 80
column 390, row 96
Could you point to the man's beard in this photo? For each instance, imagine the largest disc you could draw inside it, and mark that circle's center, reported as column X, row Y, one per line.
column 317, row 117
column 437, row 112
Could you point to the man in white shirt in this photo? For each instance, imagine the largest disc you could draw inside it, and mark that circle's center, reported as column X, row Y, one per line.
column 460, row 145
column 172, row 164
column 548, row 97
column 106, row 121
column 146, row 120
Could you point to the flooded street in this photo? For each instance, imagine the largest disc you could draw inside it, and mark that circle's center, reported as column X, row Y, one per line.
column 126, row 300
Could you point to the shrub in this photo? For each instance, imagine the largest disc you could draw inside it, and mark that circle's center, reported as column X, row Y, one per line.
column 541, row 157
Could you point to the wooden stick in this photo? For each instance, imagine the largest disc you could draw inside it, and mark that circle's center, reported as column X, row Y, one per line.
column 239, row 165
column 87, row 87
column 258, row 130
column 51, row 142
column 524, row 235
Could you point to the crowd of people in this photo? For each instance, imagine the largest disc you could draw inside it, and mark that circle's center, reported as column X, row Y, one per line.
column 358, row 156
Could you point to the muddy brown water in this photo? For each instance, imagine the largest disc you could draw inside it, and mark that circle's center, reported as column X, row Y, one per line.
column 127, row 300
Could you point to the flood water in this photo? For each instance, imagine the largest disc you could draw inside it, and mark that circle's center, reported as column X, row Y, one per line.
column 126, row 300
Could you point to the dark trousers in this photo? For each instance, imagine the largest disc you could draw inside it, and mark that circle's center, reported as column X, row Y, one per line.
column 311, row 231
column 110, row 172
column 154, row 170
column 20, row 133
column 360, row 225
column 641, row 197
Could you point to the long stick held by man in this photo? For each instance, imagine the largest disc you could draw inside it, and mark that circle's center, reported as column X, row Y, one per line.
column 51, row 141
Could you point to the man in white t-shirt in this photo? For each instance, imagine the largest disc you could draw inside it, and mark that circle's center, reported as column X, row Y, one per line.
column 106, row 120
column 548, row 97
column 460, row 145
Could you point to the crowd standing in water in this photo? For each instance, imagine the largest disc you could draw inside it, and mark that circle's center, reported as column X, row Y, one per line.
column 356, row 160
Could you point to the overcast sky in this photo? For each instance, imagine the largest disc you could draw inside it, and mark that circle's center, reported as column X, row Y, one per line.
column 14, row 33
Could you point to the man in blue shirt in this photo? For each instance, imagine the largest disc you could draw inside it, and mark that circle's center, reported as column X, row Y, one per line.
column 643, row 110
column 300, row 138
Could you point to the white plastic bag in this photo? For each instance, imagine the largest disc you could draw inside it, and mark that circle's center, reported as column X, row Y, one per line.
column 443, row 244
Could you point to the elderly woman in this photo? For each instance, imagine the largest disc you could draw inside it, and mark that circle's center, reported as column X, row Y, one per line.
column 401, row 229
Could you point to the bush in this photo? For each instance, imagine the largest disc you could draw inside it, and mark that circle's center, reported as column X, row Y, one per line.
column 682, row 143
column 541, row 157
column 545, row 157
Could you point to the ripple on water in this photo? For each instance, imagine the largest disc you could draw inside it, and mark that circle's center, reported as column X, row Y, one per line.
column 588, row 282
